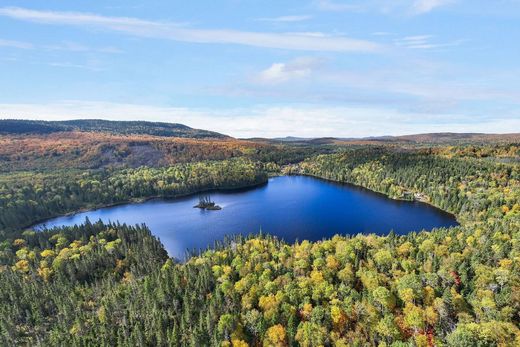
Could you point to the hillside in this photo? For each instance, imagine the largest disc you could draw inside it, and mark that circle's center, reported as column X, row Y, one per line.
column 13, row 126
column 93, row 150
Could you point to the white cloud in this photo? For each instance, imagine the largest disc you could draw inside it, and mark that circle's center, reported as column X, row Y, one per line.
column 417, row 38
column 64, row 46
column 283, row 72
column 336, row 6
column 414, row 7
column 424, row 6
column 285, row 18
column 78, row 47
column 171, row 31
column 423, row 42
column 298, row 120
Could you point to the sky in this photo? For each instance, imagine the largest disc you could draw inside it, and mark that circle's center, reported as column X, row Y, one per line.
column 270, row 68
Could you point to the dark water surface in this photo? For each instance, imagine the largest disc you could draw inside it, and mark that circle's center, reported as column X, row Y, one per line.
column 290, row 207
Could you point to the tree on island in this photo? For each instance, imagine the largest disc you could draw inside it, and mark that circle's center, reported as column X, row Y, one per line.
column 206, row 203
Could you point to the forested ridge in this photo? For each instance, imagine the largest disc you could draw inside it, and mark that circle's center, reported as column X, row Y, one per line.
column 448, row 287
column 19, row 126
column 28, row 197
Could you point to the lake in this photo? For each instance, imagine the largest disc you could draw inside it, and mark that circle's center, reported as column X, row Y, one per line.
column 290, row 207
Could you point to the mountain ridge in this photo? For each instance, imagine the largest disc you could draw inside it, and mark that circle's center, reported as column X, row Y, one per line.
column 440, row 138
column 20, row 127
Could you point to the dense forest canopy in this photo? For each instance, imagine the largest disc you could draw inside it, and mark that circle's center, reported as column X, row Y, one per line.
column 113, row 284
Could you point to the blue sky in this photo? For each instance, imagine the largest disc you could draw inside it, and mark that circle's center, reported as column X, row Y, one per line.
column 267, row 68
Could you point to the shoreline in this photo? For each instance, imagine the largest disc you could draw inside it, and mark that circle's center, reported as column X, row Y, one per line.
column 228, row 189
column 379, row 193
column 141, row 200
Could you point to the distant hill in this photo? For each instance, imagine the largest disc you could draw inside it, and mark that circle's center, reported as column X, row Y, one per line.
column 446, row 138
column 429, row 138
column 291, row 139
column 14, row 126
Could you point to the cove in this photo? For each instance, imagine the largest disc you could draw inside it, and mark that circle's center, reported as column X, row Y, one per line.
column 289, row 207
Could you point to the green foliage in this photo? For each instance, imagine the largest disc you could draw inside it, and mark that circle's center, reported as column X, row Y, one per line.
column 59, row 287
column 472, row 189
column 29, row 197
column 449, row 287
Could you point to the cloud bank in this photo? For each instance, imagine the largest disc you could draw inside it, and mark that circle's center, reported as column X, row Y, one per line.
column 298, row 120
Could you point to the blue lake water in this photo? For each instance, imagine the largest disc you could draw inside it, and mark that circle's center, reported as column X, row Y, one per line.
column 290, row 207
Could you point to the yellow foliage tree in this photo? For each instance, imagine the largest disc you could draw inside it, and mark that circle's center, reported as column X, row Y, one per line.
column 275, row 336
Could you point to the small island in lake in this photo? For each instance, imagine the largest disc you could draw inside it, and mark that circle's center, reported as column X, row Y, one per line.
column 205, row 203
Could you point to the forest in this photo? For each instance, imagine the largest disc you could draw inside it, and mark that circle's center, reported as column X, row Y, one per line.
column 28, row 197
column 113, row 284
